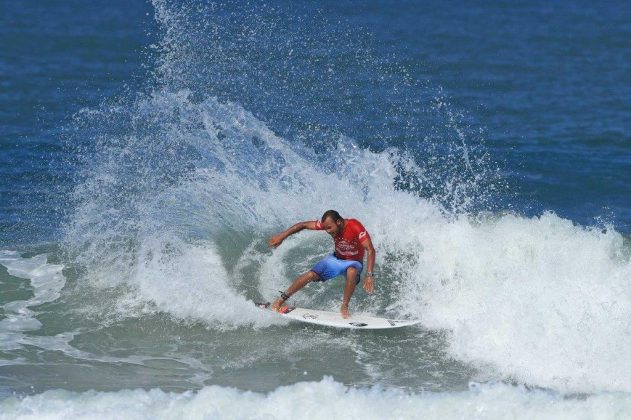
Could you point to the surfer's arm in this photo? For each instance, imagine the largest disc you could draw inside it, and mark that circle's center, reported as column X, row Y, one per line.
column 369, row 282
column 277, row 239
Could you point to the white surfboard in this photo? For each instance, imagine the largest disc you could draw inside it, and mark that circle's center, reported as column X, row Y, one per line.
column 334, row 319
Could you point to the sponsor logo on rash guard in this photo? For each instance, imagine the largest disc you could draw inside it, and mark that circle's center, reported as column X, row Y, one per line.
column 348, row 243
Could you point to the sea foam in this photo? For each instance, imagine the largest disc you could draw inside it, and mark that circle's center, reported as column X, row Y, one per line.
column 46, row 281
column 315, row 400
column 540, row 299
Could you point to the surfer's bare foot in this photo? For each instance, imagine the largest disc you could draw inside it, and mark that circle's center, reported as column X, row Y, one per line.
column 276, row 305
column 344, row 311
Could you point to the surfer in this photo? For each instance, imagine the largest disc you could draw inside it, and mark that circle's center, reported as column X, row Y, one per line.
column 351, row 241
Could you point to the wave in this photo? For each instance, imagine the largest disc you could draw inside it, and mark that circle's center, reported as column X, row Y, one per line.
column 324, row 399
column 519, row 294
column 178, row 190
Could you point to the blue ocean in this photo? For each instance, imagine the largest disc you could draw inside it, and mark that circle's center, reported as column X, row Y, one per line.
column 149, row 149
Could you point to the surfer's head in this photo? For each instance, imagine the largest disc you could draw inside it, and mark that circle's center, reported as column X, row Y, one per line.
column 332, row 222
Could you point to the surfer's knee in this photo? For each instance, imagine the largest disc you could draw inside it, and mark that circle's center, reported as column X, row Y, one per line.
column 351, row 272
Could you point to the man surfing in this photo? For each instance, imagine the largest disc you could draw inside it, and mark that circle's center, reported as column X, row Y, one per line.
column 351, row 241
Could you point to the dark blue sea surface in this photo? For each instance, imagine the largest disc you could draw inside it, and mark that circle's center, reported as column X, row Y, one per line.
column 56, row 58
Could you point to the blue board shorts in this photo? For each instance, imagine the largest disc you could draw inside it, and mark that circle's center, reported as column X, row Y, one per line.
column 331, row 266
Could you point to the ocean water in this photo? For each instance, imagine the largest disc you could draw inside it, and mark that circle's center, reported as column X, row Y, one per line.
column 149, row 149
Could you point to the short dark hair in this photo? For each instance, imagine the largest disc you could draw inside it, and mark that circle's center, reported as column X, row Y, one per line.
column 332, row 214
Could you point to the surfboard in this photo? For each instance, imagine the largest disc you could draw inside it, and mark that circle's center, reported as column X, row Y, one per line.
column 334, row 319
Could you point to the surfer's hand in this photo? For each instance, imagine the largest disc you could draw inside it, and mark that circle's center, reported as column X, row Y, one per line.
column 369, row 284
column 344, row 311
column 275, row 240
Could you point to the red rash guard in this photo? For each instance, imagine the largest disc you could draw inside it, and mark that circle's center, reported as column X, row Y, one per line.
column 348, row 242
